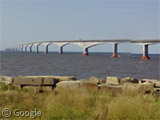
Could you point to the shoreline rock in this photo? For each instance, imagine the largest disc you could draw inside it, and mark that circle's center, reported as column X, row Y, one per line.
column 108, row 84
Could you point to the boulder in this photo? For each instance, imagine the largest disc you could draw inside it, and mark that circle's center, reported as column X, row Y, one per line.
column 68, row 85
column 94, row 80
column 83, row 80
column 1, row 78
column 155, row 82
column 89, row 86
column 41, row 80
column 23, row 81
column 102, row 81
column 60, row 78
column 112, row 80
column 35, row 81
column 110, row 88
column 7, row 80
column 128, row 80
column 157, row 89
column 157, row 92
column 131, row 88
column 65, row 78
column 146, row 88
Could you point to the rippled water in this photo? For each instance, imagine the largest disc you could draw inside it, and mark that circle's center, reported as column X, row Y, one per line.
column 74, row 64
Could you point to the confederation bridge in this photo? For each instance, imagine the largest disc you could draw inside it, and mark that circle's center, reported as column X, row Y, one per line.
column 86, row 44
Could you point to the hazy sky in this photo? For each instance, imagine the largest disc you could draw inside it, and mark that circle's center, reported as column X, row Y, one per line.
column 25, row 21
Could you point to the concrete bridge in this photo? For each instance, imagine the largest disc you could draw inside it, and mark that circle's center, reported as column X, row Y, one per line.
column 145, row 44
column 86, row 44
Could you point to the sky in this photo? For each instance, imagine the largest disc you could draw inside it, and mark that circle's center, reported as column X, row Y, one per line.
column 26, row 21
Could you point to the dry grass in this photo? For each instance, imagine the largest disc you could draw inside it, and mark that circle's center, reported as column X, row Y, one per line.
column 81, row 104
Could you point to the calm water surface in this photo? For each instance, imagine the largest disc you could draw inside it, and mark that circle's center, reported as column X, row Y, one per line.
column 74, row 64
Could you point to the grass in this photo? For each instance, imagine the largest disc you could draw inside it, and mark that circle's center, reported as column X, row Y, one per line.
column 80, row 104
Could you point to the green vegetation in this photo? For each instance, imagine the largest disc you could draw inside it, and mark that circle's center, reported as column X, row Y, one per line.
column 80, row 104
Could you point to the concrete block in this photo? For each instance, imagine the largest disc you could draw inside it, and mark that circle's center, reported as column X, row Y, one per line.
column 65, row 78
column 102, row 80
column 112, row 80
column 110, row 88
column 89, row 86
column 6, row 78
column 154, row 81
column 157, row 89
column 131, row 88
column 35, row 81
column 50, row 81
column 83, row 80
column 93, row 80
column 1, row 78
column 128, row 80
column 146, row 88
column 23, row 81
column 60, row 78
column 68, row 85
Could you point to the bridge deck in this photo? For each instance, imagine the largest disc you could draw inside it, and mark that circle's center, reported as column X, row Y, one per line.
column 146, row 41
column 115, row 40
column 100, row 40
column 106, row 40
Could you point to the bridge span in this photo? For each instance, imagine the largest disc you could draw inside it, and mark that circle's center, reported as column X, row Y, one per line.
column 86, row 44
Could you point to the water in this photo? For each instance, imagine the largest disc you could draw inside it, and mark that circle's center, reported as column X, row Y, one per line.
column 74, row 64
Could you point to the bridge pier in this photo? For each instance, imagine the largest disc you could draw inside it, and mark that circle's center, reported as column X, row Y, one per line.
column 30, row 47
column 46, row 51
column 61, row 50
column 21, row 49
column 115, row 48
column 61, row 45
column 46, row 47
column 25, row 47
column 18, row 49
column 85, row 51
column 37, row 45
column 145, row 53
column 37, row 50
